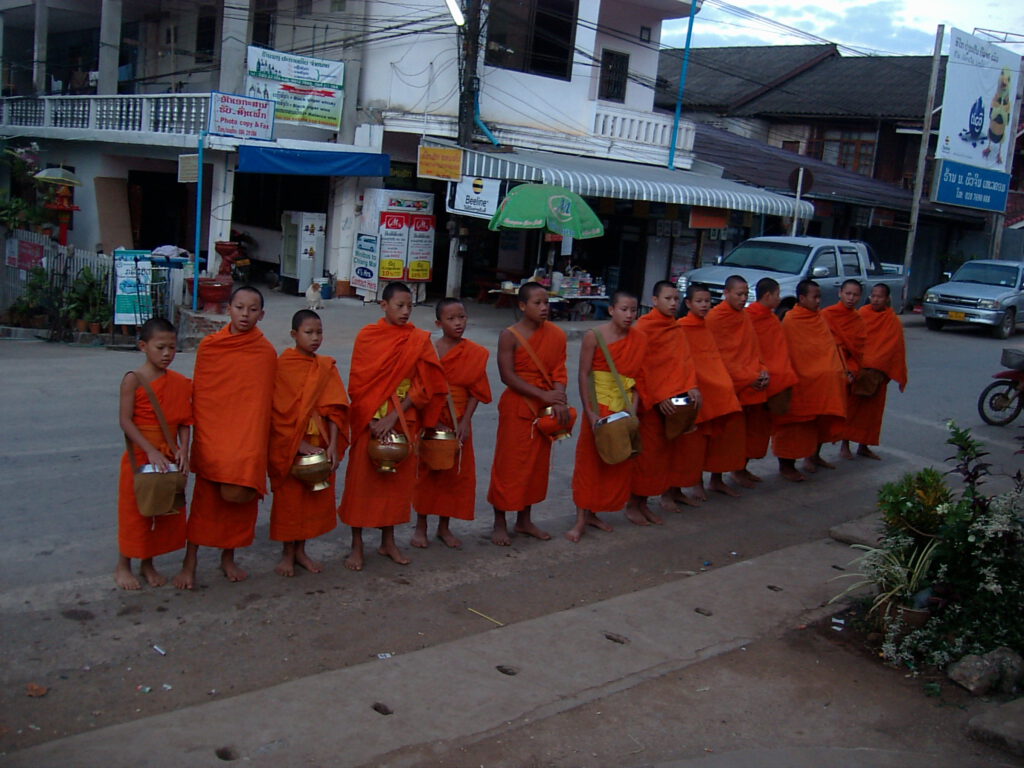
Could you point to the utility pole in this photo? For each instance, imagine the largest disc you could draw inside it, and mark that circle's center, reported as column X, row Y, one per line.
column 469, row 82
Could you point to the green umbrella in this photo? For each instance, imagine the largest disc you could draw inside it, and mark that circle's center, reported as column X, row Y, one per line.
column 546, row 206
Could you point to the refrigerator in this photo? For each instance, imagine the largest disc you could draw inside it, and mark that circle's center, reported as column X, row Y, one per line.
column 302, row 249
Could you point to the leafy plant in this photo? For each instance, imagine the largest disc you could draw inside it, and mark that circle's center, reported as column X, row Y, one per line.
column 910, row 505
column 899, row 573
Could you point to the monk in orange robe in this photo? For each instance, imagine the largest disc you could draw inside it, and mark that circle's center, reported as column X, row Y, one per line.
column 233, row 385
column 775, row 354
column 738, row 344
column 138, row 536
column 850, row 333
column 597, row 486
column 884, row 351
column 720, row 420
column 450, row 493
column 309, row 416
column 818, row 408
column 668, row 371
column 397, row 385
column 522, row 452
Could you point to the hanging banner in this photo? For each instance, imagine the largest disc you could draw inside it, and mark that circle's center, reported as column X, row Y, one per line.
column 475, row 196
column 307, row 91
column 978, row 103
column 133, row 301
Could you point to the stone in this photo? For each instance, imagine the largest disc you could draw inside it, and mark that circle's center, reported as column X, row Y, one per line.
column 1011, row 669
column 1002, row 726
column 975, row 673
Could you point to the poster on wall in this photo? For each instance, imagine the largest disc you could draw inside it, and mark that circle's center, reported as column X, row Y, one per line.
column 420, row 256
column 364, row 263
column 978, row 103
column 394, row 244
column 23, row 255
column 133, row 301
column 307, row 91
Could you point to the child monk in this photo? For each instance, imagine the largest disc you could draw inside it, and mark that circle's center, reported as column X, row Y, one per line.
column 232, row 388
column 668, row 371
column 733, row 331
column 850, row 333
column 775, row 353
column 396, row 384
column 884, row 351
column 522, row 454
column 309, row 416
column 818, row 408
column 597, row 486
column 720, row 420
column 452, row 492
column 138, row 536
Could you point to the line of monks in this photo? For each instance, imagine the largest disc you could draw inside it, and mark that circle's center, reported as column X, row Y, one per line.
column 815, row 377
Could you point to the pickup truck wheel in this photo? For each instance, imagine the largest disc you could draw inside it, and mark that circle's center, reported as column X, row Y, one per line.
column 933, row 324
column 1008, row 325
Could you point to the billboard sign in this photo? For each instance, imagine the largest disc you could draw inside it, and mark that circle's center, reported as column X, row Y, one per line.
column 475, row 196
column 307, row 91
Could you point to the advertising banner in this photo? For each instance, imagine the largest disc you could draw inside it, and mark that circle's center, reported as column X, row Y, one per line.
column 364, row 263
column 133, row 302
column 969, row 186
column 420, row 261
column 242, row 116
column 307, row 91
column 394, row 244
column 444, row 163
column 22, row 255
column 474, row 196
column 978, row 103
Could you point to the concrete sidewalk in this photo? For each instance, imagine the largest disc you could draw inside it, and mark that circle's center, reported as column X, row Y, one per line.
column 469, row 687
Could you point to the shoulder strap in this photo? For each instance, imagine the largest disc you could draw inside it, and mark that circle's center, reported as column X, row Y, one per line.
column 615, row 372
column 533, row 356
column 169, row 436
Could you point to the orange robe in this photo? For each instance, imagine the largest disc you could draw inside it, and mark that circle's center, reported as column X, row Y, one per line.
column 818, row 408
column 233, row 385
column 385, row 355
column 885, row 351
column 597, row 486
column 741, row 352
column 452, row 492
column 668, row 371
column 139, row 536
column 721, row 416
column 848, row 328
column 304, row 384
column 781, row 375
column 522, row 455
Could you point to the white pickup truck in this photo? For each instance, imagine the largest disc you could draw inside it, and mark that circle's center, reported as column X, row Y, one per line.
column 788, row 260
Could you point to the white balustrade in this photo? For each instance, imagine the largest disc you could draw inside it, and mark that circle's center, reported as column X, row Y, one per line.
column 641, row 128
column 172, row 114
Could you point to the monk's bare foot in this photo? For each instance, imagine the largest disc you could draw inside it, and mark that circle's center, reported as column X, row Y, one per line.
column 596, row 522
column 392, row 551
column 746, row 478
column 790, row 472
column 354, row 561
column 867, row 453
column 186, row 577
column 809, row 466
column 285, row 566
column 649, row 515
column 670, row 501
column 125, row 578
column 699, row 492
column 693, row 496
column 305, row 561
column 529, row 529
column 419, row 538
column 718, row 485
column 635, row 516
column 449, row 538
column 230, row 568
column 817, row 461
column 152, row 576
column 499, row 536
column 844, row 451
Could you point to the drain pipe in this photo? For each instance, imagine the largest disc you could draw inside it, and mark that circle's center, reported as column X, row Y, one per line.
column 480, row 123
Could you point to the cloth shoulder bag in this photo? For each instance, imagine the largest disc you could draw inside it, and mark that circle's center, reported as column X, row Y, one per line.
column 157, row 493
column 617, row 436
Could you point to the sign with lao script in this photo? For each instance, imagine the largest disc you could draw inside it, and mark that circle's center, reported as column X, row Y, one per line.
column 305, row 90
column 970, row 186
column 241, row 116
column 444, row 163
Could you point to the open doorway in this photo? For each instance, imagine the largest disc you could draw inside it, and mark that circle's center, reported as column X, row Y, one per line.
column 159, row 209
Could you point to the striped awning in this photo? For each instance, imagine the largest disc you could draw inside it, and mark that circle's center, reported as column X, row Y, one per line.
column 594, row 177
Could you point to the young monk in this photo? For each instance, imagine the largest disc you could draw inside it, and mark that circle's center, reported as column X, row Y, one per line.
column 733, row 331
column 775, row 354
column 452, row 492
column 232, row 388
column 396, row 384
column 522, row 454
column 818, row 408
column 668, row 371
column 596, row 486
column 720, row 420
column 138, row 536
column 850, row 333
column 309, row 416
column 885, row 351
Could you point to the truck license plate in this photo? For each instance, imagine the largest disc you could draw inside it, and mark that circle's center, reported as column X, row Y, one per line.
column 957, row 315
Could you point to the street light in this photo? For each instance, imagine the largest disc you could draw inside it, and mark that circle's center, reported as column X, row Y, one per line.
column 456, row 12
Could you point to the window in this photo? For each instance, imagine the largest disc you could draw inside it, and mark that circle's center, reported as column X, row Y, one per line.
column 826, row 258
column 303, row 7
column 791, row 146
column 854, row 150
column 614, row 71
column 851, row 264
column 533, row 36
column 263, row 23
column 206, row 33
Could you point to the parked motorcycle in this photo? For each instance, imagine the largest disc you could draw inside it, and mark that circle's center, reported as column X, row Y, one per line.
column 1002, row 401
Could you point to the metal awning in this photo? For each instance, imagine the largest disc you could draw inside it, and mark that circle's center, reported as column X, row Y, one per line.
column 594, row 177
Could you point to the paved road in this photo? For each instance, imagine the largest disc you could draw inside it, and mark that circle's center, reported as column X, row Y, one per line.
column 66, row 626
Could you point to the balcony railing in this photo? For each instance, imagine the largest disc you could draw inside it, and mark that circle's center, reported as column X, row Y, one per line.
column 648, row 129
column 182, row 114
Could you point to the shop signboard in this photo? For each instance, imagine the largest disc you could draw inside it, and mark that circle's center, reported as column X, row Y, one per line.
column 475, row 196
column 364, row 263
column 394, row 244
column 133, row 300
column 244, row 117
column 970, row 186
column 306, row 91
column 444, row 163
column 420, row 258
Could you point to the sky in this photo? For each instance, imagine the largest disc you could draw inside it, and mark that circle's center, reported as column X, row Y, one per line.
column 882, row 27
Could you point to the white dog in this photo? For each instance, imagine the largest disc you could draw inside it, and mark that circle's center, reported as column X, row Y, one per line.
column 314, row 299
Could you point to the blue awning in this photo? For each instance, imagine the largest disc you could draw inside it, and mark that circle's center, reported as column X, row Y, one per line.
column 306, row 162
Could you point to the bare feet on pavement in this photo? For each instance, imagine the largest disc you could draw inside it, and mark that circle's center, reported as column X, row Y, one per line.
column 585, row 517
column 230, row 568
column 867, row 453
column 719, row 485
column 125, row 578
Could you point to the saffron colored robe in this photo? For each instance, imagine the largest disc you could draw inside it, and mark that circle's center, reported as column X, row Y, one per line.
column 305, row 384
column 597, row 486
column 522, row 455
column 232, row 387
column 818, row 407
column 740, row 349
column 667, row 371
column 884, row 351
column 781, row 375
column 452, row 492
column 721, row 416
column 848, row 328
column 383, row 357
column 139, row 536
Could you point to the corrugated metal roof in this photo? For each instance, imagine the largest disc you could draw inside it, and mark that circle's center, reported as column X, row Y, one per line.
column 594, row 177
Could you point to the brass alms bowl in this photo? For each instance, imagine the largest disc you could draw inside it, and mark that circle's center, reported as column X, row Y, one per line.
column 388, row 452
column 438, row 433
column 314, row 470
